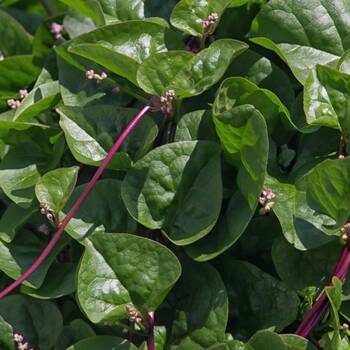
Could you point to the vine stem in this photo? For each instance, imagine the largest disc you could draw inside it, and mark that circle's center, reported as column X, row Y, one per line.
column 77, row 204
column 150, row 339
column 319, row 308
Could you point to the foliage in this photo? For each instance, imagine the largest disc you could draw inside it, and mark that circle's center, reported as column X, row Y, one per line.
column 225, row 209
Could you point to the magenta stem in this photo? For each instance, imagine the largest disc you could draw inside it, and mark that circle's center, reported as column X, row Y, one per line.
column 48, row 249
column 150, row 339
column 318, row 310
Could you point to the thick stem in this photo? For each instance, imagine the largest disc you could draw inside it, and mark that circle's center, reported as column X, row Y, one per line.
column 77, row 204
column 318, row 310
column 150, row 339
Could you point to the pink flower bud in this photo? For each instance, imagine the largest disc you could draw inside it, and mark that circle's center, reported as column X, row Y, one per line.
column 56, row 29
column 103, row 75
column 205, row 24
column 50, row 217
column 13, row 104
column 90, row 74
column 17, row 338
column 23, row 93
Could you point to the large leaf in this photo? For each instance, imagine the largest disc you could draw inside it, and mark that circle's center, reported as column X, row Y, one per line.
column 103, row 343
column 328, row 189
column 121, row 47
column 16, row 257
column 301, row 225
column 102, row 210
column 14, row 39
column 301, row 269
column 257, row 299
column 286, row 24
column 40, row 322
column 186, row 73
column 243, row 134
column 55, row 187
column 188, row 15
column 326, row 97
column 200, row 304
column 118, row 269
column 176, row 188
column 6, row 335
column 91, row 131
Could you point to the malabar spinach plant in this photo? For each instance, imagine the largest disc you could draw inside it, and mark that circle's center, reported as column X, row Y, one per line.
column 174, row 175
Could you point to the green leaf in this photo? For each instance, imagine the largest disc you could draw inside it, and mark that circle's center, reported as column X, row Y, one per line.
column 40, row 322
column 103, row 343
column 91, row 131
column 14, row 39
column 328, row 189
column 239, row 91
column 186, row 73
column 257, row 299
column 13, row 219
column 55, row 187
column 286, row 26
column 301, row 269
column 294, row 342
column 188, row 15
column 301, row 225
column 17, row 72
column 334, row 294
column 326, row 96
column 122, row 47
column 41, row 99
column 176, row 188
column 243, row 134
column 16, row 257
column 200, row 307
column 196, row 125
column 265, row 340
column 102, row 210
column 59, row 281
column 6, row 336
column 118, row 269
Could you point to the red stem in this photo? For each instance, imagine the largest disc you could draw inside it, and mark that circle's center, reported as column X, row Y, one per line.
column 77, row 204
column 320, row 307
column 150, row 339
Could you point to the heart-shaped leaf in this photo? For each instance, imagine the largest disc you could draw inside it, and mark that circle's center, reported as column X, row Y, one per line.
column 176, row 188
column 117, row 269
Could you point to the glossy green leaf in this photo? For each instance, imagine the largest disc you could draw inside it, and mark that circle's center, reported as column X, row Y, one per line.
column 265, row 339
column 328, row 189
column 239, row 91
column 294, row 342
column 103, row 210
column 91, row 132
column 326, row 96
column 17, row 256
column 301, row 225
column 243, row 134
column 121, row 47
column 286, row 25
column 118, row 269
column 188, row 15
column 40, row 99
column 55, row 187
column 103, row 343
column 14, row 39
column 6, row 335
column 271, row 304
column 40, row 322
column 176, row 188
column 301, row 269
column 200, row 304
column 13, row 219
column 186, row 73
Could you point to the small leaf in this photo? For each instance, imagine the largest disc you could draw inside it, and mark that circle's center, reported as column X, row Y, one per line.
column 55, row 187
column 118, row 269
column 6, row 336
column 177, row 188
column 103, row 342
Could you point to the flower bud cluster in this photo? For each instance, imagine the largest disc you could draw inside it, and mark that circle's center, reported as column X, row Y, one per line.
column 20, row 343
column 345, row 232
column 267, row 200
column 45, row 210
column 133, row 315
column 90, row 74
column 167, row 102
column 211, row 22
column 57, row 29
column 13, row 104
